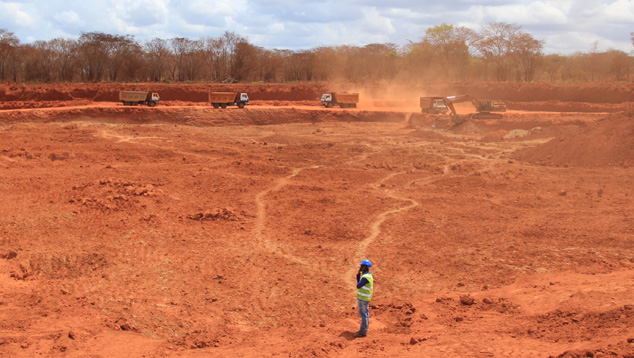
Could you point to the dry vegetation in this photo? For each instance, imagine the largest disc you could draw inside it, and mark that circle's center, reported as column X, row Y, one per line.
column 498, row 52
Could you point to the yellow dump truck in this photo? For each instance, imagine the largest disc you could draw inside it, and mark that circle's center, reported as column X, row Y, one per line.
column 434, row 105
column 343, row 100
column 133, row 98
column 224, row 99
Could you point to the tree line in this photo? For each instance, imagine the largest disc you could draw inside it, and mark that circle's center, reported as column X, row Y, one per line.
column 498, row 52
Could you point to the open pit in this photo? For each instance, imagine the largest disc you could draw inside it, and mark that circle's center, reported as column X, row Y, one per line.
column 184, row 231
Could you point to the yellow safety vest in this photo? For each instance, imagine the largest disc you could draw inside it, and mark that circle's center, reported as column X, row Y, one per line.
column 365, row 292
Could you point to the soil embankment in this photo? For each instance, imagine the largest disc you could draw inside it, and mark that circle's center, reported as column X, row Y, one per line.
column 519, row 96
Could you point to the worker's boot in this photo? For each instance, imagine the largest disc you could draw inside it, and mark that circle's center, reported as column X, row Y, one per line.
column 360, row 334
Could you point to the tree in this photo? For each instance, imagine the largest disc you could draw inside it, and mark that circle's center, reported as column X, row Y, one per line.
column 553, row 65
column 8, row 47
column 211, row 50
column 65, row 52
column 297, row 66
column 228, row 44
column 93, row 55
column 188, row 58
column 329, row 63
column 121, row 51
column 528, row 51
column 156, row 54
column 377, row 61
column 271, row 65
column 499, row 52
column 38, row 62
column 244, row 60
column 418, row 60
column 496, row 44
column 593, row 58
column 619, row 65
column 450, row 46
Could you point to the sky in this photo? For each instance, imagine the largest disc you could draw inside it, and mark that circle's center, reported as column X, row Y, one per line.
column 565, row 26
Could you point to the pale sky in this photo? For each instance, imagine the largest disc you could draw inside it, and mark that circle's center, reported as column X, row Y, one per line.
column 566, row 26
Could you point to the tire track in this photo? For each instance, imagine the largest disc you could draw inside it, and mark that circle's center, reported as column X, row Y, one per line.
column 260, row 220
column 375, row 228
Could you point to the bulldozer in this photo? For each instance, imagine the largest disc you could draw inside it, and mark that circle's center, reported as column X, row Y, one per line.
column 484, row 108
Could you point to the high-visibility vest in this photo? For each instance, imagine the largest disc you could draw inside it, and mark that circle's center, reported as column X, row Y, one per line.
column 365, row 292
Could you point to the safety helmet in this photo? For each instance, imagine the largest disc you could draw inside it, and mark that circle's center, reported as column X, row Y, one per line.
column 366, row 263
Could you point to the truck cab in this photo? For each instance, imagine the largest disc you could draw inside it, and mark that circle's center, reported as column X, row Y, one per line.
column 153, row 100
column 439, row 105
column 326, row 99
column 433, row 105
column 244, row 98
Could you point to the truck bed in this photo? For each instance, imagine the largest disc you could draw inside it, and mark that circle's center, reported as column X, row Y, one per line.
column 347, row 97
column 222, row 97
column 132, row 96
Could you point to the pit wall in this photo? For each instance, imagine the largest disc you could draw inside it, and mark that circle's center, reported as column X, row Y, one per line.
column 195, row 116
column 311, row 91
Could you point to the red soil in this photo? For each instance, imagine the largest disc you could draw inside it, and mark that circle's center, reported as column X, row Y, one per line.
column 536, row 96
column 184, row 231
column 608, row 142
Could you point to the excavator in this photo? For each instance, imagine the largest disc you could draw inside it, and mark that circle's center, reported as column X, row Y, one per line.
column 484, row 108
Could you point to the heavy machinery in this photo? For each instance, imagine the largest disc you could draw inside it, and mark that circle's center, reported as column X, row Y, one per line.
column 484, row 108
column 133, row 98
column 434, row 105
column 343, row 100
column 224, row 99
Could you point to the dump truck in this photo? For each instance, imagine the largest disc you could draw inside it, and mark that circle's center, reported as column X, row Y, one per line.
column 433, row 105
column 343, row 100
column 133, row 98
column 224, row 99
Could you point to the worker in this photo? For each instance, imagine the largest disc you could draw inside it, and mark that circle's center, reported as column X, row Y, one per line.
column 365, row 287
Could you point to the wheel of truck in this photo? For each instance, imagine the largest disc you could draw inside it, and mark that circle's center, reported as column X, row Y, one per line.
column 329, row 104
column 240, row 105
column 354, row 105
column 151, row 104
column 216, row 105
column 223, row 105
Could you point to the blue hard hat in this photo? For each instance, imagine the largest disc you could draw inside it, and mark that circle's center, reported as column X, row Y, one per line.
column 366, row 263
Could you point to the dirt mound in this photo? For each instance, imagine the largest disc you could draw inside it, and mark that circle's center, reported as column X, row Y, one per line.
column 466, row 127
column 608, row 142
